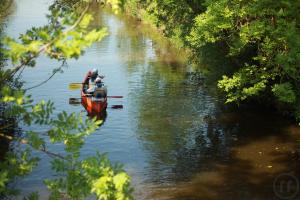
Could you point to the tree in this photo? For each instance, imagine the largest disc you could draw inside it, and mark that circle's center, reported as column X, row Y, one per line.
column 66, row 36
column 268, row 33
column 261, row 36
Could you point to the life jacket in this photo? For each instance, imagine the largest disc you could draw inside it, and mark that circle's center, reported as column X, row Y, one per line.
column 100, row 92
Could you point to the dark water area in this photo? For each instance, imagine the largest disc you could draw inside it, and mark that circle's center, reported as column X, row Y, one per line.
column 174, row 136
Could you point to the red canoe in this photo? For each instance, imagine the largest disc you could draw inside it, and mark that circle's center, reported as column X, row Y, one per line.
column 92, row 104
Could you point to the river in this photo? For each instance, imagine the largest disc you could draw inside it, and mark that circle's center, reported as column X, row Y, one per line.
column 173, row 135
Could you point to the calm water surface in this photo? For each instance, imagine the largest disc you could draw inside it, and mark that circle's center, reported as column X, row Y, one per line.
column 173, row 137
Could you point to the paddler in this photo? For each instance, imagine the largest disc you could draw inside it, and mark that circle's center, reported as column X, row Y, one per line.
column 92, row 80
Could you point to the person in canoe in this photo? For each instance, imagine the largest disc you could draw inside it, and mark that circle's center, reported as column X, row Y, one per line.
column 93, row 84
column 91, row 76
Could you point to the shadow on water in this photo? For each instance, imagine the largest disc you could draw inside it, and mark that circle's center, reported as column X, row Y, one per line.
column 259, row 151
column 75, row 102
column 99, row 116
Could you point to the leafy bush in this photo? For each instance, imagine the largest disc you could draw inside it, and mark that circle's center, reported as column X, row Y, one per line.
column 272, row 28
column 264, row 36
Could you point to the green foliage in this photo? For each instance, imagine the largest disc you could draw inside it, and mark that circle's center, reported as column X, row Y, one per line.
column 174, row 18
column 66, row 36
column 244, row 83
column 270, row 29
column 16, row 164
column 284, row 92
column 132, row 6
column 212, row 25
column 264, row 36
column 116, row 5
column 4, row 7
column 110, row 184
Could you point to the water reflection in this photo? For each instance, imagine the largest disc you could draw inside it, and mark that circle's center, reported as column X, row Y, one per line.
column 99, row 116
column 261, row 146
column 170, row 108
column 171, row 124
column 197, row 149
column 89, row 111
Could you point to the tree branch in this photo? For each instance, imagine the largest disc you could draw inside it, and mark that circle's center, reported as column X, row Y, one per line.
column 23, row 141
column 45, row 46
column 45, row 81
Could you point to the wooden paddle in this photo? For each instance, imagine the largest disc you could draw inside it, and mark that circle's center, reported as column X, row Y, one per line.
column 77, row 101
column 74, row 101
column 113, row 97
column 75, row 86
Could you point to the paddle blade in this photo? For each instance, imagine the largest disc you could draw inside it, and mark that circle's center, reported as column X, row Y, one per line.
column 117, row 106
column 75, row 101
column 115, row 97
column 75, row 86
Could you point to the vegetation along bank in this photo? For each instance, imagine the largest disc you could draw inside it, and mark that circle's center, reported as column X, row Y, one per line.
column 5, row 7
column 262, row 36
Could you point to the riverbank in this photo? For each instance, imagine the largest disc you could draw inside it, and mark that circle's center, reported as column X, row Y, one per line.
column 263, row 66
column 140, row 12
column 5, row 8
